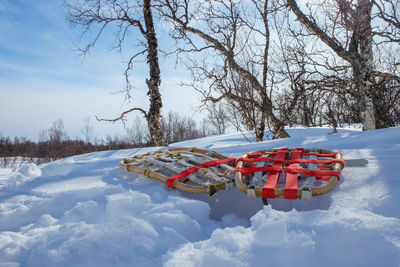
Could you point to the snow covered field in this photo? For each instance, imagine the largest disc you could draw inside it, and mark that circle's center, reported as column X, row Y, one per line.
column 85, row 211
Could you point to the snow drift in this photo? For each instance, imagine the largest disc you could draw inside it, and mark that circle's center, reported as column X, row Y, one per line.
column 85, row 211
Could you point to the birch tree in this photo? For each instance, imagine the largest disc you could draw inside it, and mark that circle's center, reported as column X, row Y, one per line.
column 94, row 16
column 346, row 28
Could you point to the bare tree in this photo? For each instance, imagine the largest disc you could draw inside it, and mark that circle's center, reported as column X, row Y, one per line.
column 55, row 134
column 136, row 135
column 389, row 26
column 218, row 117
column 346, row 28
column 387, row 37
column 126, row 15
column 316, row 77
column 234, row 39
column 51, row 140
column 87, row 129
column 179, row 128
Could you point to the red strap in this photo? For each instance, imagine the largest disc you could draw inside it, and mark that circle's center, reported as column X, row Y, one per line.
column 332, row 155
column 291, row 177
column 251, row 170
column 259, row 159
column 318, row 174
column 194, row 169
column 256, row 155
column 316, row 161
column 273, row 176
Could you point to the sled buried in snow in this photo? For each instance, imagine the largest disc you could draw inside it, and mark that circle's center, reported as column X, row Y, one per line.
column 280, row 173
column 189, row 169
column 288, row 173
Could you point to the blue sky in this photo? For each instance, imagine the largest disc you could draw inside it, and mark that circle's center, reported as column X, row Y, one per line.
column 42, row 78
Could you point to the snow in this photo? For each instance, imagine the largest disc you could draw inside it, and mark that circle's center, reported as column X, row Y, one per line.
column 85, row 211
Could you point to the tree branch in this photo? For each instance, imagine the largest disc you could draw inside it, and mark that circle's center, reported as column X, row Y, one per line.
column 122, row 116
column 332, row 42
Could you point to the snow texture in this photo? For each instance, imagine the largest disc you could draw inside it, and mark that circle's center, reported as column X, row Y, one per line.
column 85, row 211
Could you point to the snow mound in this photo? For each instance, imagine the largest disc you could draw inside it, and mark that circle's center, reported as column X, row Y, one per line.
column 30, row 170
column 269, row 239
column 86, row 211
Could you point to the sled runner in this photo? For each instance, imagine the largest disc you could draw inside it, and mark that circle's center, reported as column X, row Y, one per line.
column 288, row 173
column 189, row 169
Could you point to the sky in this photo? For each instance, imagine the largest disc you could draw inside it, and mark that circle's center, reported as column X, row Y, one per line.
column 43, row 78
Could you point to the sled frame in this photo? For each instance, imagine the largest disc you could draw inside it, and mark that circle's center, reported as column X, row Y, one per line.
column 311, row 187
column 163, row 164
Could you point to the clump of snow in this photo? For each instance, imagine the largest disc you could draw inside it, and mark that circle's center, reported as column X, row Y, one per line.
column 4, row 175
column 269, row 240
column 86, row 211
column 30, row 170
column 59, row 167
column 26, row 173
column 269, row 229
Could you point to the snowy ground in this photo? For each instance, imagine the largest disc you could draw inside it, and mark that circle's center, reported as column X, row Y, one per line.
column 85, row 211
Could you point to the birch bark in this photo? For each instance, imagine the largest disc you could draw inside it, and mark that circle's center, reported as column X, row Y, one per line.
column 154, row 82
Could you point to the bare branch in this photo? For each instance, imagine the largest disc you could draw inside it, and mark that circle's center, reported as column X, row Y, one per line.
column 331, row 41
column 122, row 117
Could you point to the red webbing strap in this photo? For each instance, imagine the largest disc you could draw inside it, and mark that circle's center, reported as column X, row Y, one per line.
column 194, row 169
column 259, row 159
column 291, row 177
column 252, row 170
column 273, row 176
column 259, row 154
column 320, row 174
column 332, row 155
column 317, row 161
column 326, row 178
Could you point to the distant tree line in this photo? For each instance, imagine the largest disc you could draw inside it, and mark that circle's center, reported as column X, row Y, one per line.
column 55, row 143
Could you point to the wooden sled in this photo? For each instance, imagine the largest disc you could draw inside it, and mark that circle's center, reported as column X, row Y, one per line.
column 189, row 169
column 288, row 173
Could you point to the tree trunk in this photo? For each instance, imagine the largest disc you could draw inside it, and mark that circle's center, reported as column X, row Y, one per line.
column 365, row 81
column 154, row 113
column 364, row 95
column 259, row 132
